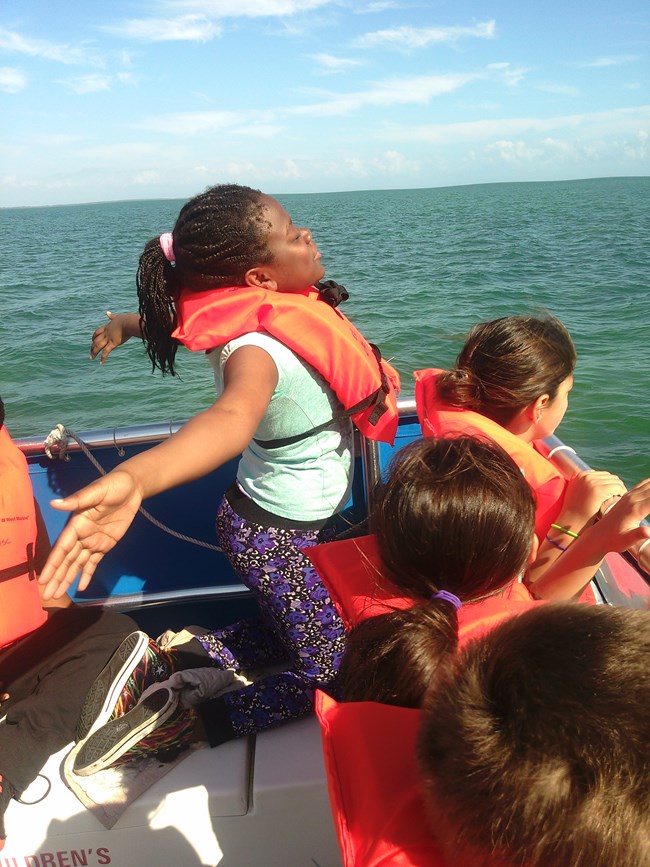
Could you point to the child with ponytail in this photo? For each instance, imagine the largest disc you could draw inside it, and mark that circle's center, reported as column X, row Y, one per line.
column 453, row 539
column 479, row 726
column 511, row 382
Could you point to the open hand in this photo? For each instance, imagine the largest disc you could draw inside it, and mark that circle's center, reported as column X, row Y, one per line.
column 114, row 333
column 103, row 512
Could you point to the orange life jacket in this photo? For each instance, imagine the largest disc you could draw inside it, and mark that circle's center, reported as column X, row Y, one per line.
column 352, row 573
column 321, row 335
column 20, row 604
column 438, row 419
column 372, row 776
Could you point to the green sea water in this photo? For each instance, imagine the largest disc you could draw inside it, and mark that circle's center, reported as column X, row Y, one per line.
column 421, row 267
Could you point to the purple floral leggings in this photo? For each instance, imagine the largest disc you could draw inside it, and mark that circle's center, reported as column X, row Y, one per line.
column 299, row 629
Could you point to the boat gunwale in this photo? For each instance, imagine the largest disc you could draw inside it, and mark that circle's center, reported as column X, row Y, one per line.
column 562, row 455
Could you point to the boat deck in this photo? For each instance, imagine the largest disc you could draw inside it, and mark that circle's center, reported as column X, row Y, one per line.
column 259, row 802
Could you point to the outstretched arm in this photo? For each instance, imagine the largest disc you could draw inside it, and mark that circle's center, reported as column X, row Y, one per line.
column 618, row 530
column 120, row 328
column 104, row 510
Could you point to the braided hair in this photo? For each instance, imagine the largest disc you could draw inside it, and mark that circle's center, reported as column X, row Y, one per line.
column 218, row 236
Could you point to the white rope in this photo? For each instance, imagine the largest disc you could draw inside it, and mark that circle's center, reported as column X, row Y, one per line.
column 56, row 447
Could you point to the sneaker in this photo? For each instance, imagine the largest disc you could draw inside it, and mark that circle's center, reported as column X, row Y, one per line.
column 168, row 740
column 110, row 742
column 135, row 665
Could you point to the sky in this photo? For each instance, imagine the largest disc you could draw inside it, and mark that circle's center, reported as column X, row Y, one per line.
column 148, row 99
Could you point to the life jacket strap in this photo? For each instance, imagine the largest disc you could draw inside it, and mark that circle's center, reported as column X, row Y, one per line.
column 377, row 400
column 10, row 572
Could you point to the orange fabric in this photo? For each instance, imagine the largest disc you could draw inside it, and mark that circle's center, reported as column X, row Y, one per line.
column 317, row 332
column 20, row 604
column 352, row 572
column 372, row 777
column 438, row 419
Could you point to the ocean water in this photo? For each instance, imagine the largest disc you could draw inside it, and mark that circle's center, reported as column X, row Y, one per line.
column 421, row 267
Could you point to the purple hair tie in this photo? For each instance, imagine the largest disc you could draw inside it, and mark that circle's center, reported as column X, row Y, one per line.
column 448, row 597
column 167, row 246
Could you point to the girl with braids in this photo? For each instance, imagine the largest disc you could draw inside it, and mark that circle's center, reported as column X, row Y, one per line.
column 236, row 278
column 511, row 382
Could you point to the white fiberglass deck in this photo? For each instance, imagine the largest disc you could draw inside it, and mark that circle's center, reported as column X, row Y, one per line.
column 258, row 802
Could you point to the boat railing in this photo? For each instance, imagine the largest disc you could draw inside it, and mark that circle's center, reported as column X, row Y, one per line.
column 374, row 461
column 563, row 456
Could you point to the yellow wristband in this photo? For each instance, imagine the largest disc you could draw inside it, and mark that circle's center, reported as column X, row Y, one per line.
column 565, row 530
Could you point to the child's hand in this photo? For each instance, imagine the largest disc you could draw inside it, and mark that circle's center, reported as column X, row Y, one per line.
column 619, row 529
column 117, row 331
column 103, row 512
column 587, row 492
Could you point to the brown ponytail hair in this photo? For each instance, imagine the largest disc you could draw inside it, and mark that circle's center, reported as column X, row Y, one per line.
column 455, row 514
column 393, row 658
column 508, row 363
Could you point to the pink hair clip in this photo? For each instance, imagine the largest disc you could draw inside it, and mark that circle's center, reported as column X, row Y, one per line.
column 167, row 246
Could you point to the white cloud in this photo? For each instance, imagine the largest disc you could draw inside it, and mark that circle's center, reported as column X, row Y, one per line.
column 237, row 169
column 289, row 169
column 560, row 89
column 637, row 150
column 551, row 151
column 624, row 121
column 263, row 130
column 393, row 163
column 514, row 151
column 397, row 91
column 18, row 183
column 147, row 177
column 603, row 62
column 379, row 6
column 189, row 28
column 57, row 140
column 414, row 37
column 251, row 8
column 60, row 53
column 92, row 83
column 330, row 64
column 117, row 152
column 511, row 75
column 12, row 80
column 188, row 123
